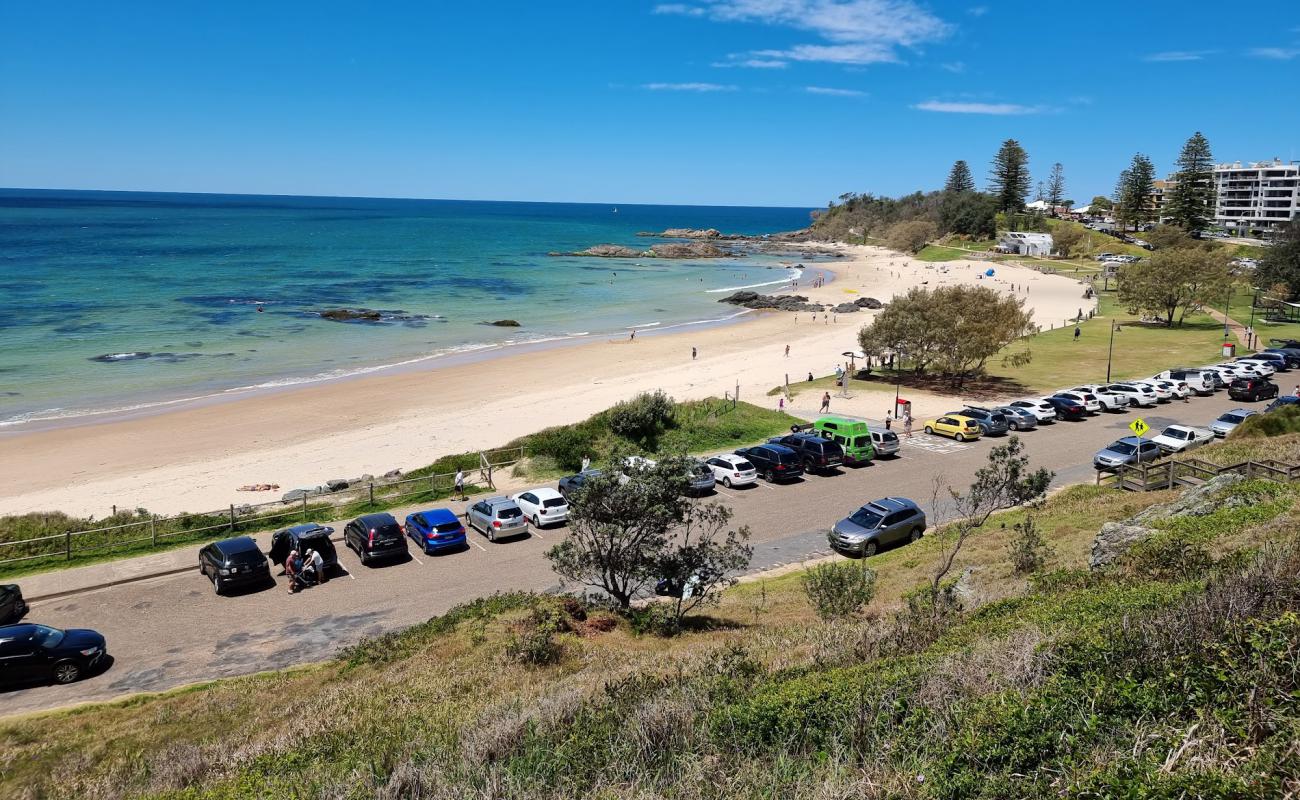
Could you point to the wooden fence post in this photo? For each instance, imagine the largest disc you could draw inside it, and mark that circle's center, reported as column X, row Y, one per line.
column 232, row 517
column 304, row 508
column 67, row 544
column 153, row 528
column 372, row 493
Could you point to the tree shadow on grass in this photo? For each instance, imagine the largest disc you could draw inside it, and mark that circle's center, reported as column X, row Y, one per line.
column 979, row 387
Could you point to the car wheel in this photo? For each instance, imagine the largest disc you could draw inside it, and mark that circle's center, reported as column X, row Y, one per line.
column 726, row 482
column 869, row 549
column 536, row 524
column 66, row 672
column 216, row 584
column 365, row 558
column 492, row 536
column 929, row 430
column 915, row 536
column 959, row 437
column 1015, row 426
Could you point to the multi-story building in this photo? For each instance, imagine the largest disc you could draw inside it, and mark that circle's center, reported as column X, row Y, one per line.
column 1256, row 197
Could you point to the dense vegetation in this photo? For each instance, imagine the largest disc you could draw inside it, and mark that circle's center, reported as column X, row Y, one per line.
column 1173, row 673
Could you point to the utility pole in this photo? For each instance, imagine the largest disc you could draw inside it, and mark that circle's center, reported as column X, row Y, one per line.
column 1111, row 349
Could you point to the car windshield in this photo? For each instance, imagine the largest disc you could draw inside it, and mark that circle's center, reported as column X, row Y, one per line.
column 47, row 637
column 1234, row 418
column 1174, row 433
column 509, row 512
column 252, row 556
column 787, row 458
column 865, row 518
column 743, row 465
column 447, row 527
column 553, row 502
column 888, row 436
column 388, row 529
column 1123, row 448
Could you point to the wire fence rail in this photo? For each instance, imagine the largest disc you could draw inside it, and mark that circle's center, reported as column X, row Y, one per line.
column 142, row 530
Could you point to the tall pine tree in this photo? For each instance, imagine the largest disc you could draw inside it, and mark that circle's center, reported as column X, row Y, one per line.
column 1191, row 203
column 1009, row 178
column 960, row 179
column 1056, row 187
column 1133, row 201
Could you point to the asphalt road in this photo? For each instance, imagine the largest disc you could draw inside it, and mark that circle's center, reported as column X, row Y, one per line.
column 172, row 630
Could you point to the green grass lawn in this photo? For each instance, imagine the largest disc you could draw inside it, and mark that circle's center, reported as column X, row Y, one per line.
column 1243, row 297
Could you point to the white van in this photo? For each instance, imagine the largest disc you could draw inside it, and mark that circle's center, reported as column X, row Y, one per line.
column 1198, row 380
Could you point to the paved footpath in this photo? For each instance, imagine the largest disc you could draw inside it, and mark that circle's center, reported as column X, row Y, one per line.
column 169, row 630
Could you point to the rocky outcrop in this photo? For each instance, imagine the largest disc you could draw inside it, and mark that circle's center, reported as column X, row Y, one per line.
column 504, row 323
column 665, row 250
column 777, row 302
column 1116, row 538
column 687, row 233
column 868, row 302
column 351, row 314
column 847, row 308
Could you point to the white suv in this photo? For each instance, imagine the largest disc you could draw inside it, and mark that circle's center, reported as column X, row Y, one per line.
column 1110, row 401
column 730, row 469
column 1088, row 400
column 1041, row 409
column 1136, row 393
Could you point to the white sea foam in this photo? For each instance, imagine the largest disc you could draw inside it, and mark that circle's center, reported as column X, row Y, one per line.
column 791, row 275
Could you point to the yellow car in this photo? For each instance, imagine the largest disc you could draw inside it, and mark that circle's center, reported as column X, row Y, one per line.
column 958, row 427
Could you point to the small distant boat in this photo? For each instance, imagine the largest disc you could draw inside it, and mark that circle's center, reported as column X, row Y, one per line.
column 615, row 209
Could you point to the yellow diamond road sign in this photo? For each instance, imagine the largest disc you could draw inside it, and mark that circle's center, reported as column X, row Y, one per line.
column 1139, row 427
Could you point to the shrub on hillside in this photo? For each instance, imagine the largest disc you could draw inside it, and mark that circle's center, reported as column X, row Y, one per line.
column 1029, row 550
column 566, row 445
column 1278, row 422
column 910, row 237
column 839, row 589
column 642, row 418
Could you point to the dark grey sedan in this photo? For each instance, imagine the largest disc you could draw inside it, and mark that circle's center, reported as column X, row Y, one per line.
column 991, row 422
column 878, row 524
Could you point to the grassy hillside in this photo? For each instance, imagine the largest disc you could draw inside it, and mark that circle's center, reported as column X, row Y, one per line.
column 1175, row 674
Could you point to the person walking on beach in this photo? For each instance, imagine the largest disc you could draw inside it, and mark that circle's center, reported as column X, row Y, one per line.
column 826, row 402
column 694, row 352
column 460, row 483
column 632, row 338
column 787, row 351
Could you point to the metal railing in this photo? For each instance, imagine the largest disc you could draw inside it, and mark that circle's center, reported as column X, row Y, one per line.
column 146, row 531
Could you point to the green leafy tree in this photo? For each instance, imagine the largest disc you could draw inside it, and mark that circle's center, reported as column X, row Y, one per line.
column 1175, row 282
column 1281, row 265
column 1056, row 187
column 953, row 329
column 1100, row 203
column 1166, row 236
column 1009, row 178
column 625, row 536
column 972, row 214
column 839, row 589
column 910, row 237
column 1191, row 202
column 959, row 179
column 1133, row 203
column 1067, row 238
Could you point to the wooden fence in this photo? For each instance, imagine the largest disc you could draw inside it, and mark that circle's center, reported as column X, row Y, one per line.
column 1192, row 472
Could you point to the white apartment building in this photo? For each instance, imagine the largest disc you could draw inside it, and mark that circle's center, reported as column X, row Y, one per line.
column 1256, row 197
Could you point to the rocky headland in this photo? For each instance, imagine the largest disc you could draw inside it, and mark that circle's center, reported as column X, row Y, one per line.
column 699, row 249
column 796, row 302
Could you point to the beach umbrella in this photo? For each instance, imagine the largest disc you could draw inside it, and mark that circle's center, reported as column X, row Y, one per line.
column 989, row 272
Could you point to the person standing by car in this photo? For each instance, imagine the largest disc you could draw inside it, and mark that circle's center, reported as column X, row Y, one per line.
column 460, row 483
column 317, row 566
column 292, row 566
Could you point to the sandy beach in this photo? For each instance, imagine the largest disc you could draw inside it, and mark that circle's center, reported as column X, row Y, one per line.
column 195, row 458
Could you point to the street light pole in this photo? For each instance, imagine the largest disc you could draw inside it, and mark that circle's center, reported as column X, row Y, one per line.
column 1227, row 306
column 1111, row 349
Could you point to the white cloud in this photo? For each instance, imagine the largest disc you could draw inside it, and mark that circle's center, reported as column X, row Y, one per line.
column 751, row 63
column 1001, row 109
column 977, row 11
column 689, row 87
column 826, row 90
column 853, row 31
column 1275, row 53
column 1177, row 55
column 954, row 66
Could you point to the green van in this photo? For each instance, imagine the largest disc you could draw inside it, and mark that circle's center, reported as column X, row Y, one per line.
column 851, row 434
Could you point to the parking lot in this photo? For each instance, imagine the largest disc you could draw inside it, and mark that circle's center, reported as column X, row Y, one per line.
column 168, row 631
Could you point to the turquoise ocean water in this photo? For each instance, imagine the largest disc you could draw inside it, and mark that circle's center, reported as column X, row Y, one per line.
column 124, row 300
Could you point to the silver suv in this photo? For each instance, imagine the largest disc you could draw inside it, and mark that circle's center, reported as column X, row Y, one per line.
column 497, row 518
column 878, row 524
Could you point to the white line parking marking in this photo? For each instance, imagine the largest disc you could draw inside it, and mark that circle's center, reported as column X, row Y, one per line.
column 417, row 559
column 720, row 491
column 476, row 544
column 537, row 533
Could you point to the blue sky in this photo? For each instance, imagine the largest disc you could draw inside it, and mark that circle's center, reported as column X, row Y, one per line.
column 747, row 102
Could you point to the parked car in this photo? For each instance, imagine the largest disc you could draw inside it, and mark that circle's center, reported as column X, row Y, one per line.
column 308, row 536
column 1252, row 389
column 1221, row 381
column 1137, row 394
column 1197, row 380
column 853, row 436
column 1019, row 419
column 1284, row 400
column 774, row 462
column 1127, row 452
column 877, row 524
column 1266, row 367
column 1229, row 420
column 885, row 441
column 1162, row 393
column 1278, row 361
column 1040, row 408
column 1109, row 401
column 991, row 421
column 436, row 530
column 233, row 563
column 375, row 536
column 699, row 478
column 1248, row 369
column 815, row 453
column 12, row 604
column 1181, row 438
column 732, row 470
column 1291, row 356
column 1088, row 400
column 954, row 425
column 634, row 464
column 497, row 518
column 31, row 653
column 1066, row 408
column 1179, row 390
column 573, row 483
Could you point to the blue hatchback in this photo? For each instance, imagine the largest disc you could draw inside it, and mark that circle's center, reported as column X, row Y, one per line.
column 435, row 530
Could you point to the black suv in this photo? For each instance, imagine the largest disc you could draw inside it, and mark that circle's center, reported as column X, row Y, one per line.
column 992, row 423
column 775, row 462
column 308, row 536
column 233, row 563
column 35, row 653
column 816, row 453
column 1252, row 389
column 12, row 605
column 375, row 536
